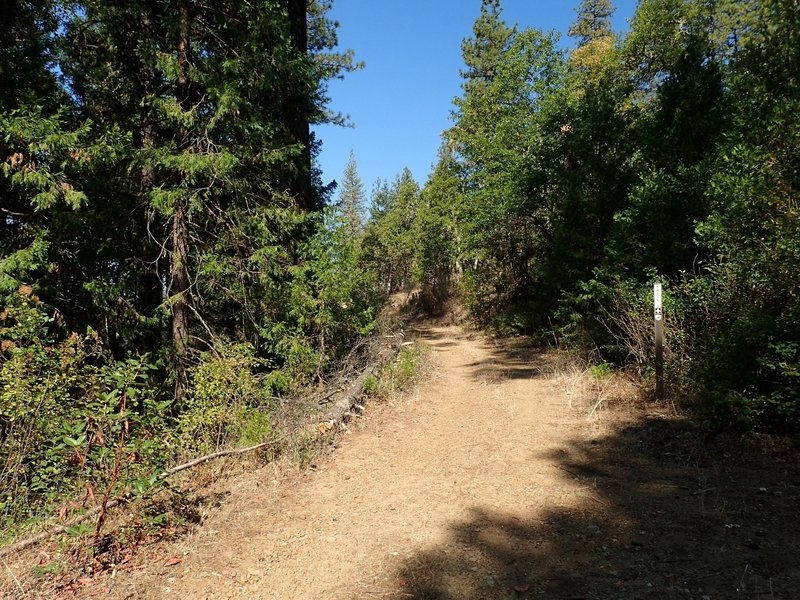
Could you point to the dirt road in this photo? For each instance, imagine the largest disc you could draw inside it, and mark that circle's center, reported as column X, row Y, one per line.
column 485, row 483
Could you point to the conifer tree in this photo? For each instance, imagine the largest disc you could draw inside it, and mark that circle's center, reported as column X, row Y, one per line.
column 437, row 228
column 595, row 38
column 380, row 200
column 30, row 177
column 510, row 77
column 593, row 22
column 351, row 205
column 216, row 101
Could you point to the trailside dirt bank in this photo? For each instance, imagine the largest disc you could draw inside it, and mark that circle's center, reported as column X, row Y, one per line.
column 484, row 483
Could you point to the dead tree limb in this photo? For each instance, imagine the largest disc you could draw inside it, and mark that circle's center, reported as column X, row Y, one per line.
column 341, row 408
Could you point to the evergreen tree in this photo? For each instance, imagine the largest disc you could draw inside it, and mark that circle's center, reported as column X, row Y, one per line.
column 389, row 241
column 595, row 39
column 157, row 193
column 380, row 200
column 498, row 139
column 593, row 22
column 26, row 33
column 351, row 204
column 437, row 225
column 483, row 52
column 203, row 176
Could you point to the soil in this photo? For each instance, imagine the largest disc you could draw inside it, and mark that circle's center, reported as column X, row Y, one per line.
column 487, row 481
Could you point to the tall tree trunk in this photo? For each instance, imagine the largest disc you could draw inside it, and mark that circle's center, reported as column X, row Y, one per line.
column 297, row 117
column 179, row 295
column 151, row 286
column 179, row 260
column 147, row 77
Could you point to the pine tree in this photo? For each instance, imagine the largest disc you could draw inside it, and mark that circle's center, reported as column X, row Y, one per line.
column 595, row 39
column 483, row 52
column 217, row 101
column 380, row 200
column 351, row 205
column 593, row 22
column 389, row 242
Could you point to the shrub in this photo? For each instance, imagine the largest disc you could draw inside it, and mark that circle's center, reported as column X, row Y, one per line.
column 227, row 403
column 72, row 423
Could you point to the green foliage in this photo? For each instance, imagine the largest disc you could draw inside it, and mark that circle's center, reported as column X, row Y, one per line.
column 389, row 243
column 396, row 375
column 371, row 385
column 332, row 301
column 437, row 256
column 53, row 568
column 594, row 21
column 70, row 426
column 602, row 370
column 22, row 264
column 157, row 194
column 227, row 404
column 351, row 198
column 500, row 140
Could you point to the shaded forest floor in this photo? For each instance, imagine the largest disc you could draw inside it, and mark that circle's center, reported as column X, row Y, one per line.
column 485, row 481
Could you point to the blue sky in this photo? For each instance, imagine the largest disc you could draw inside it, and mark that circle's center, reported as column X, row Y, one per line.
column 401, row 101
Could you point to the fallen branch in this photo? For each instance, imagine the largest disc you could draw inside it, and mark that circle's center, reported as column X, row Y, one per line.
column 43, row 535
column 202, row 459
column 324, row 399
column 59, row 529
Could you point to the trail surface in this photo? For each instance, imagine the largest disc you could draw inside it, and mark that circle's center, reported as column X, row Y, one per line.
column 485, row 483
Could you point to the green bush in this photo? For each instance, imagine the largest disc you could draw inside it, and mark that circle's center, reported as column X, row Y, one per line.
column 371, row 385
column 395, row 375
column 72, row 423
column 227, row 403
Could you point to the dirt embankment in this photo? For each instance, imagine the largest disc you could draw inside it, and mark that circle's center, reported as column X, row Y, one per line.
column 486, row 482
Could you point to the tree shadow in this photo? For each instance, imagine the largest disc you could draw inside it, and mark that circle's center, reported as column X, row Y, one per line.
column 509, row 361
column 500, row 365
column 667, row 510
column 506, row 361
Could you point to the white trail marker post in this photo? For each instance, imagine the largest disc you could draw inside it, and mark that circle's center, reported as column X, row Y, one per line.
column 658, row 313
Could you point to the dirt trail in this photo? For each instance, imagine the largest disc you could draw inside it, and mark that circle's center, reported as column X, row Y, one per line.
column 460, row 445
column 484, row 483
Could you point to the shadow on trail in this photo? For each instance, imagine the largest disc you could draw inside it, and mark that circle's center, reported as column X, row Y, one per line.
column 507, row 361
column 667, row 511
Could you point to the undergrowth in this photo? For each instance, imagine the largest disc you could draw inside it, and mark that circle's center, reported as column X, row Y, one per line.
column 112, row 440
column 396, row 375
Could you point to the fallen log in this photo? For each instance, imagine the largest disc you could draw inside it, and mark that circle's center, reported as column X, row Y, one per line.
column 339, row 411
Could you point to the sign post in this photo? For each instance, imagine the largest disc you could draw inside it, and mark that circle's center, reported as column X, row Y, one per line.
column 658, row 313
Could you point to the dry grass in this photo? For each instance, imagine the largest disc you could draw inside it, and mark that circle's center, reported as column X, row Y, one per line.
column 590, row 388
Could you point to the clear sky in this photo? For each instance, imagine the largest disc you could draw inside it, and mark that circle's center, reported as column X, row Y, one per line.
column 401, row 101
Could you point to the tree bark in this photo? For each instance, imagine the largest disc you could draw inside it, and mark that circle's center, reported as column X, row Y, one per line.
column 297, row 117
column 179, row 259
column 179, row 292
